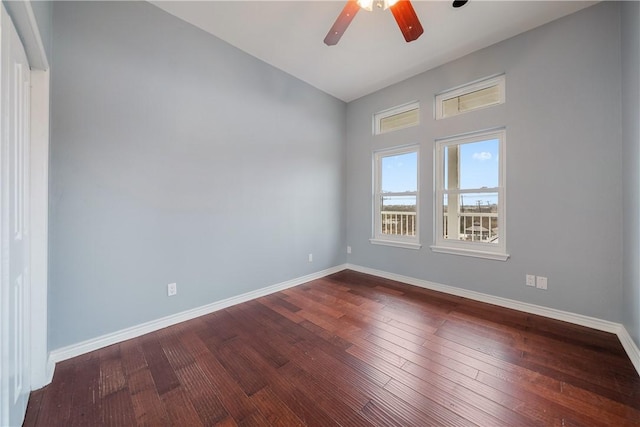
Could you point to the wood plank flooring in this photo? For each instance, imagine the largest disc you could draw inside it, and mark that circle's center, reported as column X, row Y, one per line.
column 350, row 350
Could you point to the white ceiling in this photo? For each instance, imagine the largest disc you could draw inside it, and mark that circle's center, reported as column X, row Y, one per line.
column 372, row 53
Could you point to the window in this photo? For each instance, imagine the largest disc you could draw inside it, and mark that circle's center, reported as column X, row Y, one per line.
column 469, row 97
column 396, row 118
column 470, row 199
column 396, row 197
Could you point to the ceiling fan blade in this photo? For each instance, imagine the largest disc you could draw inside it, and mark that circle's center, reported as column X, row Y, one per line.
column 407, row 20
column 342, row 22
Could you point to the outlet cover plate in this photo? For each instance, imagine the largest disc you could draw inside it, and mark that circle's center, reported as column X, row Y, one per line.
column 530, row 280
column 541, row 282
column 172, row 289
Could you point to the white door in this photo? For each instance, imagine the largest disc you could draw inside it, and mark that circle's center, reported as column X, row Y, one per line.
column 14, row 231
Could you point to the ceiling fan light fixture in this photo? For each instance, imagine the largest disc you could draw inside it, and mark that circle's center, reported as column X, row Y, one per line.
column 381, row 4
column 389, row 3
column 402, row 11
column 366, row 5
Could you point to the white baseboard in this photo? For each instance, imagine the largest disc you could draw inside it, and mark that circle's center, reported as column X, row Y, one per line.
column 68, row 352
column 591, row 322
column 630, row 347
column 74, row 350
column 43, row 377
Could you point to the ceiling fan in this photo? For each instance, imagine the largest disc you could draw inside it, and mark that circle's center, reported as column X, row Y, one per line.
column 402, row 11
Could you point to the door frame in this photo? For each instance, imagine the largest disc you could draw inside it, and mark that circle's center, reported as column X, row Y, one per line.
column 41, row 365
column 23, row 17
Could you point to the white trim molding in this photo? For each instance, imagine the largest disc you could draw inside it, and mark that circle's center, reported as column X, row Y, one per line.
column 466, row 252
column 630, row 347
column 24, row 20
column 74, row 350
column 41, row 368
column 396, row 243
column 578, row 319
column 78, row 349
column 26, row 24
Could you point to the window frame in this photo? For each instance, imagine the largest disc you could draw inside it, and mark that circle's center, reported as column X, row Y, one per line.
column 378, row 238
column 485, row 83
column 470, row 248
column 404, row 108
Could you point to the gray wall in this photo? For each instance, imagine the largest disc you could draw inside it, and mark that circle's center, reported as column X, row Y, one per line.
column 563, row 151
column 630, row 12
column 43, row 11
column 177, row 158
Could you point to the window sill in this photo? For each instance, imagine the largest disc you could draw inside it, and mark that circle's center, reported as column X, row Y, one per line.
column 397, row 244
column 469, row 252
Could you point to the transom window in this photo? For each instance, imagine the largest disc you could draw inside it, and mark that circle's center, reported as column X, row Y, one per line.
column 472, row 96
column 396, row 118
column 470, row 199
column 396, row 197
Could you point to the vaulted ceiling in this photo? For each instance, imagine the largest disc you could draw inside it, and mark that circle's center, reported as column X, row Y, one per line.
column 372, row 54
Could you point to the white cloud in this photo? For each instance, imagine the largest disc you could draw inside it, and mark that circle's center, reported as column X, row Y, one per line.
column 482, row 156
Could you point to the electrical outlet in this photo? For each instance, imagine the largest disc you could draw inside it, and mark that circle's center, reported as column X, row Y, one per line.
column 310, row 257
column 531, row 280
column 172, row 289
column 348, row 249
column 541, row 282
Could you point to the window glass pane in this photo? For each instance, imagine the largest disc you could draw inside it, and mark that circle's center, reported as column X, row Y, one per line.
column 471, row 217
column 470, row 199
column 450, row 107
column 470, row 97
column 399, row 215
column 479, row 165
column 479, row 98
column 400, row 173
column 399, row 121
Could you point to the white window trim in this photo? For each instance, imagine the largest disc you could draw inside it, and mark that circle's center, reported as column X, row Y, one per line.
column 407, row 242
column 473, row 249
column 395, row 243
column 470, row 252
column 469, row 88
column 377, row 117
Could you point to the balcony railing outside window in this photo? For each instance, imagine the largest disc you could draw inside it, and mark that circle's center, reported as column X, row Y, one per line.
column 474, row 227
column 398, row 223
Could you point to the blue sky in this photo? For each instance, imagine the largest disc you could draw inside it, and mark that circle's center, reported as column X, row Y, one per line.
column 479, row 168
column 479, row 164
column 399, row 173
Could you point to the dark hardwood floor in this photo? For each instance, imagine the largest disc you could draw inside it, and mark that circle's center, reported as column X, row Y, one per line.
column 350, row 350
